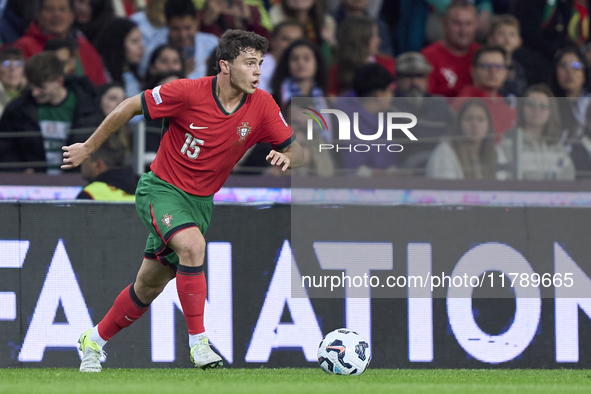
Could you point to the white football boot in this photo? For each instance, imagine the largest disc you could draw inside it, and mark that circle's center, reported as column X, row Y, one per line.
column 91, row 353
column 203, row 356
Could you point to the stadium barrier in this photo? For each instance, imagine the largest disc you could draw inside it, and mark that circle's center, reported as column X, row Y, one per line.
column 63, row 264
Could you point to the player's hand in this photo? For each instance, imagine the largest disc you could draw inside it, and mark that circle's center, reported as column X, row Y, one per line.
column 279, row 159
column 74, row 155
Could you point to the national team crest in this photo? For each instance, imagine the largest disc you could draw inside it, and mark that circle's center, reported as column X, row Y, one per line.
column 244, row 130
column 167, row 220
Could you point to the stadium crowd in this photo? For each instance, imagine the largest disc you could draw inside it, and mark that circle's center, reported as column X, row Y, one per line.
column 500, row 88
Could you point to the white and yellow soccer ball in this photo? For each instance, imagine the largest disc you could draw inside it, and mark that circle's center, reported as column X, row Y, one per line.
column 344, row 352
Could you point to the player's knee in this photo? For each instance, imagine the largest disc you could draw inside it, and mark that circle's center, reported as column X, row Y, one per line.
column 147, row 292
column 192, row 254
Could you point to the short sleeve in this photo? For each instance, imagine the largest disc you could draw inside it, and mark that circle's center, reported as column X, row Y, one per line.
column 275, row 128
column 165, row 100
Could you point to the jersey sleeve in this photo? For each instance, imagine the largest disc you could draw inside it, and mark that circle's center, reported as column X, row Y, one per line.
column 275, row 128
column 165, row 101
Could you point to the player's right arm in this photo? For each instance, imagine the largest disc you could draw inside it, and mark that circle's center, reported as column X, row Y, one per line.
column 75, row 154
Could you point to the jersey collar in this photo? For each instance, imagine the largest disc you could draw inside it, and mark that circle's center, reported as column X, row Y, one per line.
column 217, row 100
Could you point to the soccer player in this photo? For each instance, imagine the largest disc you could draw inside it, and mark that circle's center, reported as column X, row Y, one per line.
column 211, row 122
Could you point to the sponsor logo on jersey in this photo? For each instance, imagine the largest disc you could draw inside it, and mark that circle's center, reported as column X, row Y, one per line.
column 156, row 95
column 197, row 127
column 244, row 130
column 167, row 220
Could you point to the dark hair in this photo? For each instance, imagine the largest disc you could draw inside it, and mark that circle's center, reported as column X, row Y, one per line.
column 504, row 20
column 570, row 48
column 43, row 67
column 112, row 152
column 235, row 41
column 41, row 3
column 370, row 78
column 58, row 43
column 315, row 14
column 155, row 79
column 9, row 52
column 102, row 13
column 282, row 70
column 156, row 54
column 111, row 46
column 211, row 65
column 487, row 156
column 179, row 9
column 353, row 36
column 105, row 88
column 487, row 49
column 285, row 23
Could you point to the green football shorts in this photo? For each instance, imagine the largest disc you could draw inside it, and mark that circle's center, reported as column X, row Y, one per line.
column 165, row 210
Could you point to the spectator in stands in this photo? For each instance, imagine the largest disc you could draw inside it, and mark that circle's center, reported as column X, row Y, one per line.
column 165, row 58
column 489, row 71
column 152, row 24
column 351, row 8
column 284, row 34
column 451, row 57
column 470, row 151
column 217, row 16
column 535, row 143
column 320, row 26
column 17, row 15
column 120, row 44
column 92, row 16
column 54, row 20
column 433, row 113
column 108, row 179
column 359, row 43
column 373, row 91
column 53, row 105
column 183, row 34
column 300, row 73
column 505, row 32
column 111, row 95
column 433, row 24
column 65, row 50
column 12, row 75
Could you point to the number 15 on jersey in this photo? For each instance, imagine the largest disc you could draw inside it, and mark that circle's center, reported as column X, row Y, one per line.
column 190, row 147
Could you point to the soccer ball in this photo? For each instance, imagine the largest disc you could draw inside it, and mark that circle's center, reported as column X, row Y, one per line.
column 344, row 352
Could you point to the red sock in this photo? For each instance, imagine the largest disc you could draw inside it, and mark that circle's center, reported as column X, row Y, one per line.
column 192, row 289
column 126, row 309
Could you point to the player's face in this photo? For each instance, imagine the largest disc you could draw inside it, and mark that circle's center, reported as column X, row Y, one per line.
column 245, row 70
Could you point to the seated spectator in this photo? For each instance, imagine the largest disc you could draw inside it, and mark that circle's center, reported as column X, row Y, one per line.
column 470, row 151
column 284, row 34
column 165, row 58
column 55, row 20
column 183, row 34
column 54, row 105
column 121, row 47
column 152, row 24
column 359, row 43
column 433, row 113
column 217, row 16
column 505, row 32
column 451, row 57
column 320, row 26
column 534, row 147
column 489, row 72
column 300, row 73
column 17, row 15
column 12, row 75
column 65, row 50
column 91, row 16
column 108, row 179
column 110, row 96
column 371, row 83
column 433, row 23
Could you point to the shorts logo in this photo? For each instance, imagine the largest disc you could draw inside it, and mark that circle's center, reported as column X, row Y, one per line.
column 167, row 220
column 244, row 130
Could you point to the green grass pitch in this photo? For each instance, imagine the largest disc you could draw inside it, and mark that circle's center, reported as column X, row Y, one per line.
column 281, row 381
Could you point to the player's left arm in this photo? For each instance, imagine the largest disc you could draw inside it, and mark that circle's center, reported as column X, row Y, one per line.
column 290, row 157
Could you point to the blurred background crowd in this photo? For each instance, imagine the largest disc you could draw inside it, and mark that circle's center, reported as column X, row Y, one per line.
column 500, row 88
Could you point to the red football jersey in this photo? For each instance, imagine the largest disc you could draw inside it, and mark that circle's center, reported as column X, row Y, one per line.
column 203, row 142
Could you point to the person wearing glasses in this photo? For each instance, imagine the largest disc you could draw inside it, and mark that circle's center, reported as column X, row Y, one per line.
column 489, row 72
column 569, row 81
column 12, row 75
column 534, row 147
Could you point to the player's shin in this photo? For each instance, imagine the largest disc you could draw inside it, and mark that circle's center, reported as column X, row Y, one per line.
column 192, row 290
column 126, row 309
